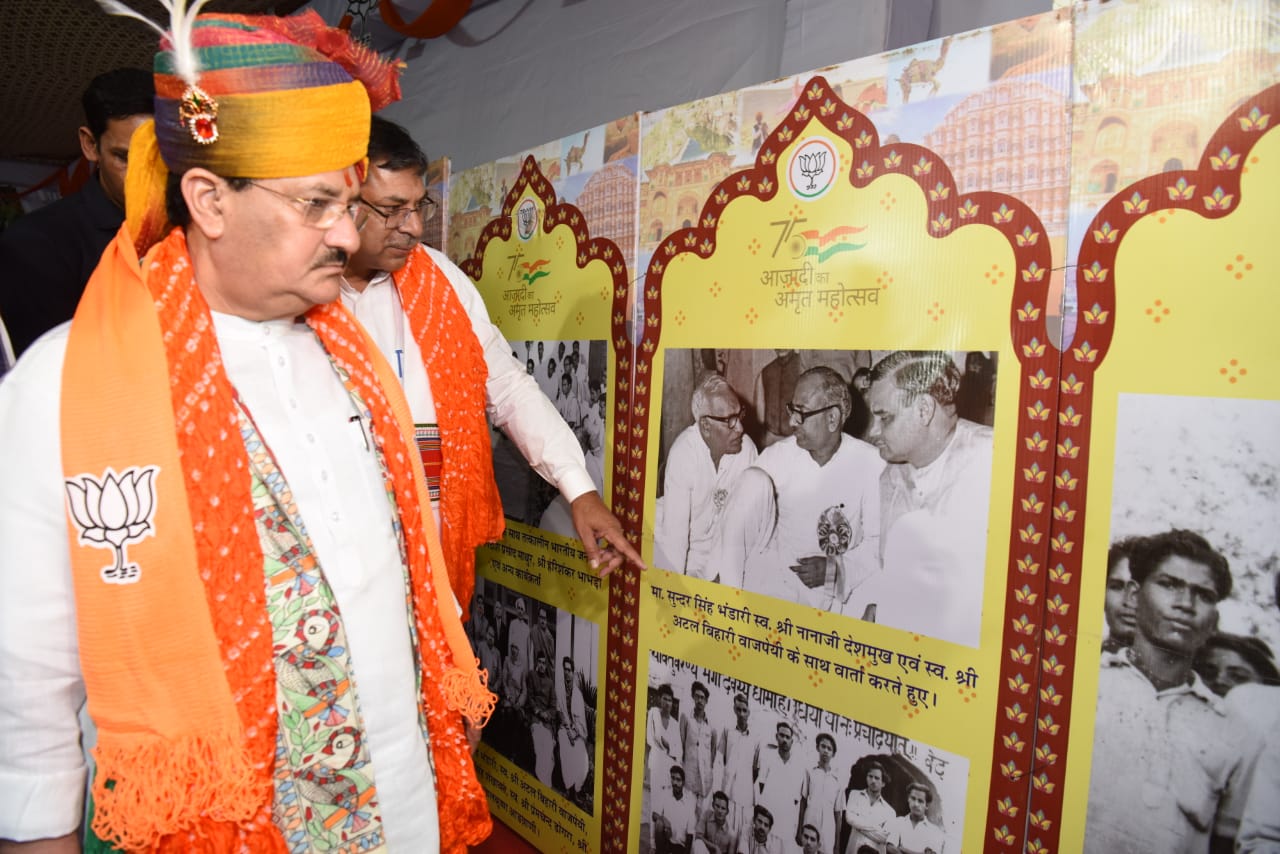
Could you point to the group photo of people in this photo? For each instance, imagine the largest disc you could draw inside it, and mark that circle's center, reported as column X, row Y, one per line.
column 1186, row 755
column 542, row 664
column 853, row 481
column 574, row 377
column 734, row 769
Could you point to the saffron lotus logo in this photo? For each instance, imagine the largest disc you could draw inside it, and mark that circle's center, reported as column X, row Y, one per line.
column 812, row 169
column 112, row 512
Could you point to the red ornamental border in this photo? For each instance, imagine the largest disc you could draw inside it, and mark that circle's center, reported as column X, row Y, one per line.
column 624, row 582
column 1211, row 191
column 948, row 210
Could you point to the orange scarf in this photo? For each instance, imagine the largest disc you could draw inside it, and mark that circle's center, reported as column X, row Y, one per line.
column 470, row 507
column 177, row 661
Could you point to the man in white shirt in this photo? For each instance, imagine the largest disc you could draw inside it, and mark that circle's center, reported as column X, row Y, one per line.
column 674, row 818
column 740, row 751
column 914, row 833
column 702, row 467
column 240, row 472
column 779, row 779
column 934, row 498
column 821, row 486
column 868, row 813
column 1170, row 767
column 391, row 263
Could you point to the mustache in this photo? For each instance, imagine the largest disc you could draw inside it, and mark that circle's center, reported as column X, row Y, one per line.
column 333, row 257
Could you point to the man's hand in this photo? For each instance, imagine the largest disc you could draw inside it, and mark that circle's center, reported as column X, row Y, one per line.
column 593, row 522
column 811, row 570
column 473, row 735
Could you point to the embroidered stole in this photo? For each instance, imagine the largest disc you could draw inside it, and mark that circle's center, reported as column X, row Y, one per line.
column 470, row 507
column 187, row 736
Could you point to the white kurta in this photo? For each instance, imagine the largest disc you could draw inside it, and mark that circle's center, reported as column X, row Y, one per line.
column 513, row 399
column 695, row 492
column 303, row 412
column 934, row 543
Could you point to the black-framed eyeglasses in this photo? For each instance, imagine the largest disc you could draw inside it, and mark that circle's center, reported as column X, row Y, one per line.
column 396, row 217
column 802, row 415
column 316, row 213
column 731, row 421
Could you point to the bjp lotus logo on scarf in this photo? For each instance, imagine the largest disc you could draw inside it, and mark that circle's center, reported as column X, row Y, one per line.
column 112, row 512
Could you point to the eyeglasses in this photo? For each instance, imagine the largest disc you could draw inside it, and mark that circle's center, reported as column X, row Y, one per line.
column 733, row 421
column 795, row 413
column 396, row 217
column 316, row 213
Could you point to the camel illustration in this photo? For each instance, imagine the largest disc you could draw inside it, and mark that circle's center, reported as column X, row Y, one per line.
column 575, row 156
column 920, row 71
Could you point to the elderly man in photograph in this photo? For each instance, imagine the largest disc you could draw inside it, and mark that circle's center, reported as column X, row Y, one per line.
column 1168, row 772
column 804, row 524
column 934, row 496
column 702, row 469
column 212, row 523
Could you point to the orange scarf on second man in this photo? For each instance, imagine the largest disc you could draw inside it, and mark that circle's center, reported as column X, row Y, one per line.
column 176, row 652
column 470, row 507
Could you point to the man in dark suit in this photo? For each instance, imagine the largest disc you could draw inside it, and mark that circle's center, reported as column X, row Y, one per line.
column 47, row 256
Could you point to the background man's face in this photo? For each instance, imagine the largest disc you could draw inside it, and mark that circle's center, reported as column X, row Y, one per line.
column 825, row 751
column 815, row 432
column 1223, row 669
column 568, row 670
column 677, row 784
column 809, row 837
column 740, row 710
column 875, row 782
column 664, row 700
column 110, row 153
column 383, row 248
column 720, row 807
column 1117, row 604
column 1177, row 605
column 699, row 700
column 917, row 803
column 784, row 738
column 722, row 438
column 896, row 428
column 760, row 827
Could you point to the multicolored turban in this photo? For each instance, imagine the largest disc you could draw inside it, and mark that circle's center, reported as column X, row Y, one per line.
column 252, row 97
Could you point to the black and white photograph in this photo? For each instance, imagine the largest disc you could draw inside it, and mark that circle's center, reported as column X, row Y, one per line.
column 574, row 377
column 731, row 768
column 543, row 664
column 852, row 481
column 1185, row 756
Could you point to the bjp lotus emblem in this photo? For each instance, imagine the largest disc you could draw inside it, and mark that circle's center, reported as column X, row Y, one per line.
column 526, row 219
column 812, row 169
column 113, row 512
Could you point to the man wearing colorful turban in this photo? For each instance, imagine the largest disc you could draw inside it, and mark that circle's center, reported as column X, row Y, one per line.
column 211, row 513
